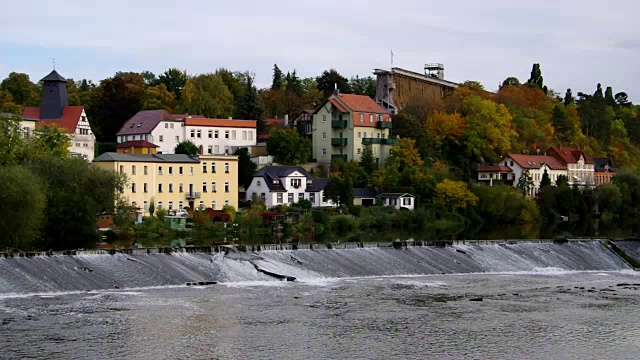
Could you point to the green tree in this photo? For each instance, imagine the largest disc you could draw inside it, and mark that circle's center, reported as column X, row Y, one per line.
column 23, row 201
column 51, row 140
column 294, row 84
column 545, row 181
column 454, row 196
column 247, row 107
column 288, row 147
column 562, row 180
column 114, row 102
column 328, row 81
column 150, row 79
column 525, row 183
column 511, row 81
column 13, row 148
column 368, row 161
column 278, row 80
column 608, row 97
column 22, row 90
column 207, row 95
column 246, row 167
column 339, row 190
column 363, row 86
column 488, row 133
column 152, row 206
column 568, row 98
column 536, row 79
column 7, row 105
column 187, row 148
column 158, row 97
column 175, row 80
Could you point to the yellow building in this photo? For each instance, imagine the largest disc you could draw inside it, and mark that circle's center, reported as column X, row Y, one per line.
column 176, row 181
column 136, row 147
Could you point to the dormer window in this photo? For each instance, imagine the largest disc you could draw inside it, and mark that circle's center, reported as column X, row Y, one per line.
column 296, row 183
column 308, row 181
column 275, row 182
column 259, row 183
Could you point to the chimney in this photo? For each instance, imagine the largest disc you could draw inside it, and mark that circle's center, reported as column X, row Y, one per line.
column 286, row 120
column 336, row 91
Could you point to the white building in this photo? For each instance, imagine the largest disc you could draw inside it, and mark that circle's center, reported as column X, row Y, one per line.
column 286, row 185
column 398, row 200
column 212, row 136
column 54, row 110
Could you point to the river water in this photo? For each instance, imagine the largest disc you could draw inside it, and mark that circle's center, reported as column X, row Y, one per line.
column 545, row 313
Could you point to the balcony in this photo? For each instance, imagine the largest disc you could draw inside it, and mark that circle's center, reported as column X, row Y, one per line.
column 384, row 125
column 390, row 141
column 370, row 141
column 192, row 195
column 339, row 156
column 339, row 141
column 339, row 124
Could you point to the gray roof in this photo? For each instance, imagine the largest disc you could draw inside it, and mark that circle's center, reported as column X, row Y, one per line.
column 168, row 158
column 600, row 164
column 365, row 192
column 394, row 195
column 143, row 122
column 270, row 173
column 54, row 76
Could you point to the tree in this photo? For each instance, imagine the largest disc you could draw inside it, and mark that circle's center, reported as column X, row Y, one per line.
column 152, row 207
column 622, row 99
column 608, row 97
column 158, row 97
column 187, row 148
column 278, row 81
column 568, row 98
column 246, row 167
column 175, row 80
column 328, row 81
column 150, row 78
column 510, row 81
column 288, row 147
column 363, row 86
column 545, row 181
column 114, row 102
column 339, row 190
column 22, row 90
column 294, row 84
column 23, row 200
column 207, row 95
column 12, row 146
column 50, row 139
column 368, row 161
column 7, row 105
column 454, row 195
column 536, row 79
column 525, row 183
column 562, row 180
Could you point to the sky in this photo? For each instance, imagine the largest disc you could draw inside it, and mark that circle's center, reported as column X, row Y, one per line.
column 579, row 43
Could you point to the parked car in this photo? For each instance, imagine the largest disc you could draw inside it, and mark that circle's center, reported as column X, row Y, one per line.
column 182, row 213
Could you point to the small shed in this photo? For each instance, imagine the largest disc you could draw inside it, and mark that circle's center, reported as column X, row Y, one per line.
column 398, row 200
column 364, row 196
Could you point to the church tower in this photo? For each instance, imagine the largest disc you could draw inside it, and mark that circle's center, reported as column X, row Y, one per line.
column 54, row 96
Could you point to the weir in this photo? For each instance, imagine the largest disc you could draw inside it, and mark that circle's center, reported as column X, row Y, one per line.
column 22, row 273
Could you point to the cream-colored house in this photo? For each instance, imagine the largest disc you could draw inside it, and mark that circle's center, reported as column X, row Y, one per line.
column 176, row 181
column 345, row 124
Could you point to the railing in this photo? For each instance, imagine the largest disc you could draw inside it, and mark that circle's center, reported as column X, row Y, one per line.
column 338, row 124
column 339, row 156
column 369, row 141
column 339, row 141
column 390, row 141
column 384, row 125
column 192, row 195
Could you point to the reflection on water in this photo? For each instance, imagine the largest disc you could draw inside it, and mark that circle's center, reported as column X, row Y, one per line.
column 547, row 313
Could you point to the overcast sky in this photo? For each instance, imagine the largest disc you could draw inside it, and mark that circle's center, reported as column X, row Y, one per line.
column 577, row 42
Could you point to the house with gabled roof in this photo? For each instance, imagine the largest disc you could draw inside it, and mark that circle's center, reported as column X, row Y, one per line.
column 286, row 185
column 54, row 110
column 400, row 201
column 345, row 124
column 605, row 170
column 212, row 136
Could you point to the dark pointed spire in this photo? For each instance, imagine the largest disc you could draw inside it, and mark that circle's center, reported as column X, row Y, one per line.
column 54, row 96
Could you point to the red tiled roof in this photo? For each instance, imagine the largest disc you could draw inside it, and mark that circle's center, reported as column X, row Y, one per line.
column 136, row 144
column 493, row 168
column 273, row 122
column 69, row 120
column 535, row 161
column 220, row 122
column 361, row 103
column 337, row 104
column 570, row 155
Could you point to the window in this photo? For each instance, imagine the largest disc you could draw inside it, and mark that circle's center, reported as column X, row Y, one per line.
column 216, row 134
column 201, row 205
column 133, row 169
column 379, row 117
column 166, row 125
column 263, row 197
column 210, row 150
column 279, row 198
column 244, row 135
column 359, row 135
column 180, row 188
column 159, row 204
column 251, row 135
column 361, row 117
column 191, row 170
column 213, row 204
column 511, row 163
column 300, row 196
column 159, row 187
column 204, row 167
column 170, row 170
column 144, row 187
column 204, row 187
column 226, row 168
column 227, row 203
column 312, row 198
column 199, row 134
column 324, row 118
column 217, row 149
column 121, row 169
column 170, row 205
column 290, row 198
column 213, row 167
column 226, row 134
column 359, row 151
column 324, row 152
column 233, row 134
column 324, row 135
column 296, row 183
column 145, row 169
column 172, row 125
column 406, row 201
column 160, row 138
column 213, row 187
column 371, row 118
column 193, row 133
column 210, row 134
column 144, row 205
column 180, row 170
column 170, row 187
column 177, row 139
column 133, row 187
column 180, row 204
column 378, row 135
column 159, row 170
column 226, row 187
